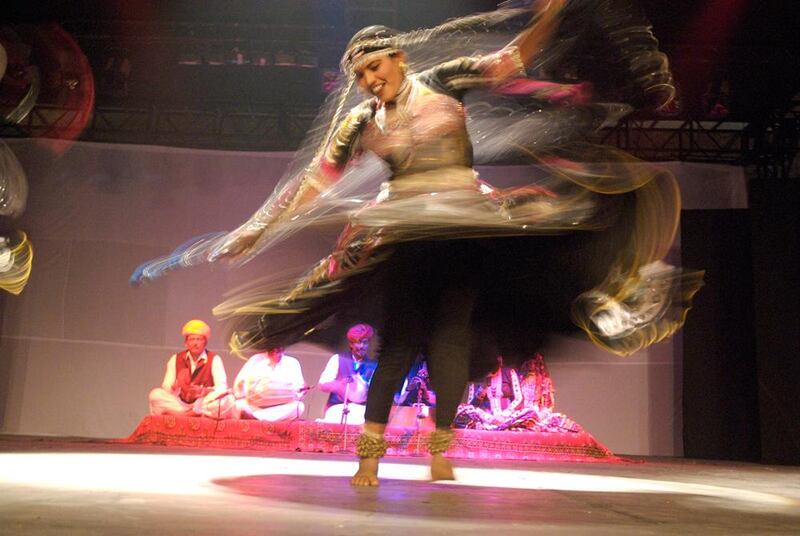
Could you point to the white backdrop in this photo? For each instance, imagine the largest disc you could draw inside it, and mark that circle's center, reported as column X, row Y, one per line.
column 80, row 348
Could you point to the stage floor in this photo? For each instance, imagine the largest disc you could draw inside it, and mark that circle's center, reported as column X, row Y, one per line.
column 65, row 487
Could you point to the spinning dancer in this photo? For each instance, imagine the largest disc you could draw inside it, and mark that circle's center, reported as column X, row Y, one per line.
column 466, row 271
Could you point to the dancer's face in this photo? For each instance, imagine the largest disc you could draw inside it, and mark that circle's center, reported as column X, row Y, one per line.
column 382, row 76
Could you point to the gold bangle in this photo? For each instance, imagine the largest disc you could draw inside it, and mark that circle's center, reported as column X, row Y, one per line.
column 513, row 54
column 371, row 445
column 440, row 440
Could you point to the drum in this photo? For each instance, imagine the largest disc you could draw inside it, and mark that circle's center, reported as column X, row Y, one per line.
column 357, row 390
column 334, row 414
column 264, row 393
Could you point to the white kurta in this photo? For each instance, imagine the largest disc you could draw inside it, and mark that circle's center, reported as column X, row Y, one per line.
column 269, row 391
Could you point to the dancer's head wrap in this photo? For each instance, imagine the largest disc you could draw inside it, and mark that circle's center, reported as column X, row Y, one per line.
column 366, row 44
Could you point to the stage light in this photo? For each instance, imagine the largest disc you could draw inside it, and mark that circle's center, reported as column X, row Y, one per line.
column 194, row 475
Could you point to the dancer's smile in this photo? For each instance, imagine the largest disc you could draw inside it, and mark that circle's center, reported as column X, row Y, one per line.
column 382, row 76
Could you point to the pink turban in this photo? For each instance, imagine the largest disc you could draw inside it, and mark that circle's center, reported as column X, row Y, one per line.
column 360, row 331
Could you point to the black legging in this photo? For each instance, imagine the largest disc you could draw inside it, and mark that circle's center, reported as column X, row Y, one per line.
column 466, row 300
column 431, row 290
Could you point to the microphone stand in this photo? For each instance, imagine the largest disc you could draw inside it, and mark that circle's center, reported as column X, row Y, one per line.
column 300, row 393
column 346, row 411
column 418, row 408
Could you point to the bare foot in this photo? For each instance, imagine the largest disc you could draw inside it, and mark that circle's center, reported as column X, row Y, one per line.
column 367, row 474
column 441, row 468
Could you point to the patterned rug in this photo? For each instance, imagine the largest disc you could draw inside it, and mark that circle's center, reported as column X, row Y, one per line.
column 309, row 436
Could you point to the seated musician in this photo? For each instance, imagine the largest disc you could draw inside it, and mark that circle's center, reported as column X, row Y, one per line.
column 417, row 387
column 194, row 382
column 270, row 387
column 347, row 376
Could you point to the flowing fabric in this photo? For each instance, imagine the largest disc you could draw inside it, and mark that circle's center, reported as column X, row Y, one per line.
column 16, row 261
column 581, row 244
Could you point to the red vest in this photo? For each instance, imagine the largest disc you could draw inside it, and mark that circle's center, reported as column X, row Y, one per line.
column 202, row 374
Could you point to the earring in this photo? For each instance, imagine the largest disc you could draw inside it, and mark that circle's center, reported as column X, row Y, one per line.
column 403, row 67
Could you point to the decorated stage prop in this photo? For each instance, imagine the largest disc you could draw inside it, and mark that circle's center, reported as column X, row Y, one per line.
column 508, row 399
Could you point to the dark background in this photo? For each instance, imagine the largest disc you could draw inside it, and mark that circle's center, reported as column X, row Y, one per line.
column 749, row 46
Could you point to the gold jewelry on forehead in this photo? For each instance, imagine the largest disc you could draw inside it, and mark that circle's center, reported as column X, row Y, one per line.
column 359, row 58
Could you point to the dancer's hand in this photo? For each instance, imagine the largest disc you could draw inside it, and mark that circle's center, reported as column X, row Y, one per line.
column 237, row 243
